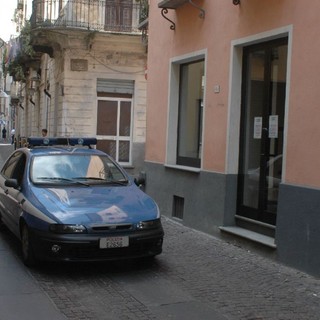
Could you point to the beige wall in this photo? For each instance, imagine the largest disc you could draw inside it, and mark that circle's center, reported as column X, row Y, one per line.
column 72, row 109
column 224, row 25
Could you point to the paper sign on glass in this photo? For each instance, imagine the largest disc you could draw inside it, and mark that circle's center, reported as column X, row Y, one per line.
column 273, row 126
column 257, row 127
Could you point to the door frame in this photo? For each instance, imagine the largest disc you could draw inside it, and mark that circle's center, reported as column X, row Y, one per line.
column 261, row 212
column 234, row 110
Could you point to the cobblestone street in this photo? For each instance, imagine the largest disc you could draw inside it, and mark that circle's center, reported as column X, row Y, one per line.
column 196, row 277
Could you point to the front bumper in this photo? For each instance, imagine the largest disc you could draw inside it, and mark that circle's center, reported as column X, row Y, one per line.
column 85, row 247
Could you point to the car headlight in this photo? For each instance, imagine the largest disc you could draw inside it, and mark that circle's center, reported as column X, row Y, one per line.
column 151, row 224
column 158, row 212
column 67, row 228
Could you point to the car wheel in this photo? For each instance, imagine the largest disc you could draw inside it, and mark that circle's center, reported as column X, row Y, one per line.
column 27, row 251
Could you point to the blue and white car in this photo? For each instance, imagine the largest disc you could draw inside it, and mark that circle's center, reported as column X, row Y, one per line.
column 67, row 201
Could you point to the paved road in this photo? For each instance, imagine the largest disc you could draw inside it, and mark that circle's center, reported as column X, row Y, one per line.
column 196, row 277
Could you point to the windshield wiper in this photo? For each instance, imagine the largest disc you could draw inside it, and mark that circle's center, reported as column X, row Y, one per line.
column 88, row 178
column 119, row 182
column 107, row 181
column 63, row 179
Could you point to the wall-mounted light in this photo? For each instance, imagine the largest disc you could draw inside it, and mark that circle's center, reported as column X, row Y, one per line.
column 33, row 85
column 31, row 92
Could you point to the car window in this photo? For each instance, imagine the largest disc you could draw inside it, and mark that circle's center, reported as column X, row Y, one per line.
column 15, row 166
column 74, row 166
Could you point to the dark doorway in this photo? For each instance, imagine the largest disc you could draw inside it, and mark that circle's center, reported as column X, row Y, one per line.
column 262, row 128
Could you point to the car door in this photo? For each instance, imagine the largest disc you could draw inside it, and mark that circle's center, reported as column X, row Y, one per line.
column 10, row 204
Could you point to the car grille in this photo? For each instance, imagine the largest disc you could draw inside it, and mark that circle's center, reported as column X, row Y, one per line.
column 112, row 227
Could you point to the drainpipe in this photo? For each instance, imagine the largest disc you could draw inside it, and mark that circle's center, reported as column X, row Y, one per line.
column 47, row 105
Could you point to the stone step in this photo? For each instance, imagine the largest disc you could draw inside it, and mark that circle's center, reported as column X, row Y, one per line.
column 250, row 235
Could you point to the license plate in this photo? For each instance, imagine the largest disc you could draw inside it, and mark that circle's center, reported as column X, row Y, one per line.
column 114, row 242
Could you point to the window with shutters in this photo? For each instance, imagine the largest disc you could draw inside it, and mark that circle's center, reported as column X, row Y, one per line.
column 118, row 15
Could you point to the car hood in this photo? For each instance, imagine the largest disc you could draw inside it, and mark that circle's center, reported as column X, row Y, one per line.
column 96, row 205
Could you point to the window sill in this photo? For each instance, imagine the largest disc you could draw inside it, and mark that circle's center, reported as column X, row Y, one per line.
column 183, row 168
column 127, row 166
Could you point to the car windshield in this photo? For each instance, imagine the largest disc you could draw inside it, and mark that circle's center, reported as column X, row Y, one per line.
column 74, row 168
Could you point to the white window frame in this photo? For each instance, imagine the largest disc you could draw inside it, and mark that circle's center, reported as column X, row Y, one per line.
column 117, row 137
column 173, row 107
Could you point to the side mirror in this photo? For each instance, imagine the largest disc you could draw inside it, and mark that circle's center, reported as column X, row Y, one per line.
column 12, row 183
column 140, row 181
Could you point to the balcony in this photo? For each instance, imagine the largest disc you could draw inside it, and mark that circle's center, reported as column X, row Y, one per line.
column 123, row 16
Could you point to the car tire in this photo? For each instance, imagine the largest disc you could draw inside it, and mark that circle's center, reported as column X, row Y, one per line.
column 26, row 246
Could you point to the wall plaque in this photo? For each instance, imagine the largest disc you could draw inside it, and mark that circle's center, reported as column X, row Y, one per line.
column 79, row 65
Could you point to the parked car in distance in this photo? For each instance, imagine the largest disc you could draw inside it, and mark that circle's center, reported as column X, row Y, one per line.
column 67, row 201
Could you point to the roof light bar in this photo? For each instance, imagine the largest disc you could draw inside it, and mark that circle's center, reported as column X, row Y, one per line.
column 48, row 141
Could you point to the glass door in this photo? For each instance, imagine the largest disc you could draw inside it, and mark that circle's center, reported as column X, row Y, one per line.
column 262, row 121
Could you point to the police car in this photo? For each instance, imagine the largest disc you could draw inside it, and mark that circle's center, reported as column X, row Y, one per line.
column 67, row 201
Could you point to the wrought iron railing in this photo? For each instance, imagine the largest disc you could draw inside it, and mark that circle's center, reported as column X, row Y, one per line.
column 96, row 15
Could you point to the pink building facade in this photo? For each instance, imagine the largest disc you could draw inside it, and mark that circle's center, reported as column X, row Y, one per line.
column 233, row 115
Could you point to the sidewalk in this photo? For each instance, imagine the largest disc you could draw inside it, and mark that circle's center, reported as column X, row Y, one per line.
column 20, row 297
